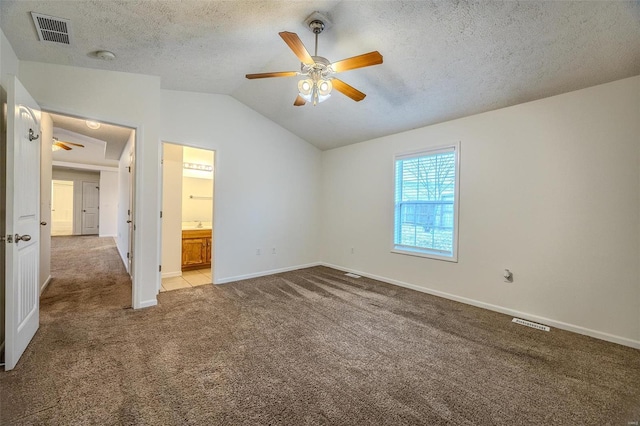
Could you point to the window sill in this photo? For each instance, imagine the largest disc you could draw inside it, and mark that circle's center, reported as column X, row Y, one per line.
column 425, row 253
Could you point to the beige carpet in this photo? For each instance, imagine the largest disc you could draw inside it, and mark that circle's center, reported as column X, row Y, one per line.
column 309, row 347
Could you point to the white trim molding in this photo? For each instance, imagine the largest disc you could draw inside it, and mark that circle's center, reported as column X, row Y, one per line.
column 46, row 283
column 147, row 304
column 265, row 273
column 511, row 312
column 171, row 274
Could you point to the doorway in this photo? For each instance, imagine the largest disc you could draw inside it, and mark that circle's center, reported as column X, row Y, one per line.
column 91, row 166
column 61, row 207
column 187, row 216
column 75, row 202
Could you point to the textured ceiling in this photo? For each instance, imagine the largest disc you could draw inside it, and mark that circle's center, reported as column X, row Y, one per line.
column 442, row 59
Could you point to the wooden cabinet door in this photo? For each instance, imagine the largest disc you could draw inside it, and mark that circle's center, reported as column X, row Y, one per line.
column 194, row 251
column 208, row 258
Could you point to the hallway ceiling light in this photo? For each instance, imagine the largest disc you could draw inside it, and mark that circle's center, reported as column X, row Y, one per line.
column 93, row 124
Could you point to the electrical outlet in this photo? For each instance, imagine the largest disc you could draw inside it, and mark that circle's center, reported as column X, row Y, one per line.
column 257, row 252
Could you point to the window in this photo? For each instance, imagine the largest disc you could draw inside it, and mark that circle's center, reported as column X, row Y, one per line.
column 426, row 203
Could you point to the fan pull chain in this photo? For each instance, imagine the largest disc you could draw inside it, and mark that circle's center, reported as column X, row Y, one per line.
column 316, row 54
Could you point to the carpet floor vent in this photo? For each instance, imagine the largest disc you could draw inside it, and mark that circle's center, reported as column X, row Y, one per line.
column 531, row 324
column 349, row 274
column 52, row 29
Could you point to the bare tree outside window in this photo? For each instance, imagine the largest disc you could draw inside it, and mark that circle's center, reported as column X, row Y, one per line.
column 425, row 194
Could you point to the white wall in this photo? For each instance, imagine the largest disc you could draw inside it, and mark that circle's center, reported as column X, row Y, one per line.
column 266, row 183
column 108, row 204
column 120, row 98
column 171, row 210
column 8, row 65
column 549, row 189
column 46, row 127
column 197, row 209
column 8, row 59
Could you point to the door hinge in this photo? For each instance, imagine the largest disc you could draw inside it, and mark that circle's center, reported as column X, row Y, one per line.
column 127, row 255
column 129, row 169
column 159, row 268
column 160, row 214
column 128, row 212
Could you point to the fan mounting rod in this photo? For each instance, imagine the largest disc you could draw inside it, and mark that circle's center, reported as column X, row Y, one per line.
column 316, row 26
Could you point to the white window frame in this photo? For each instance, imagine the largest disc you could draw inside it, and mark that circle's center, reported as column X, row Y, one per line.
column 431, row 254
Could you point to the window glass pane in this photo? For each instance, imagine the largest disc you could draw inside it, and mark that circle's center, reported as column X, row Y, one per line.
column 424, row 203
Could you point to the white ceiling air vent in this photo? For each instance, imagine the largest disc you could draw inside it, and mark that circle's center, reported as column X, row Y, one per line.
column 52, row 29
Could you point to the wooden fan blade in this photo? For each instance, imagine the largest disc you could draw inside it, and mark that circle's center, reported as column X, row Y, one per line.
column 299, row 101
column 360, row 61
column 348, row 90
column 71, row 143
column 295, row 44
column 272, row 74
column 61, row 145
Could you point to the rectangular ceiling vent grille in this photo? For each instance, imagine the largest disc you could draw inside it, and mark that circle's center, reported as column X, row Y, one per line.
column 52, row 29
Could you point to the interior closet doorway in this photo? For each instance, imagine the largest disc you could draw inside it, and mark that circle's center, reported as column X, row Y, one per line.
column 188, row 178
column 61, row 207
column 75, row 202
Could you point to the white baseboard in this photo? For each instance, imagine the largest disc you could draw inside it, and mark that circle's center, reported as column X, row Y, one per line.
column 46, row 283
column 546, row 321
column 171, row 274
column 264, row 273
column 123, row 256
column 107, row 235
column 147, row 304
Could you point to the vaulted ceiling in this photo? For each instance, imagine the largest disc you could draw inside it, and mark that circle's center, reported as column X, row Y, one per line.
column 442, row 59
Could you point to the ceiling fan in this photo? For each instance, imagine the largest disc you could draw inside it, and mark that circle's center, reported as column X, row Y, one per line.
column 318, row 81
column 58, row 144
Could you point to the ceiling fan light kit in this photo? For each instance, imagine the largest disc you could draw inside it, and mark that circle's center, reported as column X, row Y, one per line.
column 318, row 81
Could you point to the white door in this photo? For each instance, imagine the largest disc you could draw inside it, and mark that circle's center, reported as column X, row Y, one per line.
column 130, row 215
column 90, row 206
column 22, row 221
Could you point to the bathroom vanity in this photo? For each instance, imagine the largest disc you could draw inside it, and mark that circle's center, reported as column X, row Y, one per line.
column 196, row 249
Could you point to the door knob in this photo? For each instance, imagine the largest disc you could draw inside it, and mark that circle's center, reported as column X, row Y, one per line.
column 43, row 223
column 24, row 237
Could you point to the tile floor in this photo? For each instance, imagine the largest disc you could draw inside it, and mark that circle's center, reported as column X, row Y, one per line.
column 188, row 279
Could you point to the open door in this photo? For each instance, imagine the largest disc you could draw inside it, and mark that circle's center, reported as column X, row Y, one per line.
column 22, row 221
column 130, row 215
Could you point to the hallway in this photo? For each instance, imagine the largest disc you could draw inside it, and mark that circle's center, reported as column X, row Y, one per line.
column 87, row 275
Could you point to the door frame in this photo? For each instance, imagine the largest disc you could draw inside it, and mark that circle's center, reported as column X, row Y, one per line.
column 133, row 193
column 214, row 224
